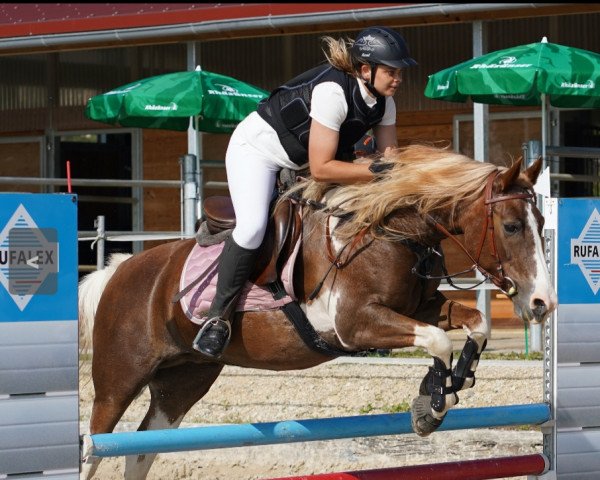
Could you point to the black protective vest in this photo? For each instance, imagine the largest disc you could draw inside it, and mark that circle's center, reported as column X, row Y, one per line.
column 287, row 111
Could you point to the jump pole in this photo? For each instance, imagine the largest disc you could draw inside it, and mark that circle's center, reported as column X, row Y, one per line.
column 503, row 467
column 291, row 431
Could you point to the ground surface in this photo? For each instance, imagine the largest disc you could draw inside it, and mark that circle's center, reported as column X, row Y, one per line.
column 332, row 390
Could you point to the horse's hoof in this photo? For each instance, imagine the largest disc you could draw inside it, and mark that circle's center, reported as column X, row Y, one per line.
column 423, row 423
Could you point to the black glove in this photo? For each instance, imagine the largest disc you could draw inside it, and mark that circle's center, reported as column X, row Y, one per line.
column 380, row 167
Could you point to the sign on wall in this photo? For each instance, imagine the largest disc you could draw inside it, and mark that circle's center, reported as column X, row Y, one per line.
column 579, row 265
column 38, row 268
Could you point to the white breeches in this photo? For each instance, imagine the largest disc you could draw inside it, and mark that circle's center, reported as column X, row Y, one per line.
column 251, row 176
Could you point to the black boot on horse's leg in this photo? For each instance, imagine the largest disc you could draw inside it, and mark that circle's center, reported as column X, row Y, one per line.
column 432, row 397
column 463, row 374
column 235, row 267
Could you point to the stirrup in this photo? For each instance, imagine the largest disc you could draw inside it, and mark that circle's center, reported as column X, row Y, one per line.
column 221, row 344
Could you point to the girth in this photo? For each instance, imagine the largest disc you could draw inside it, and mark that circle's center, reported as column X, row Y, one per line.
column 283, row 230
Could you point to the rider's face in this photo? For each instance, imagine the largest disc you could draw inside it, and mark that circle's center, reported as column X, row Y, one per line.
column 387, row 79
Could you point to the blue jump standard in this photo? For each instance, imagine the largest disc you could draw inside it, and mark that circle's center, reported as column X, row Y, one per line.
column 289, row 431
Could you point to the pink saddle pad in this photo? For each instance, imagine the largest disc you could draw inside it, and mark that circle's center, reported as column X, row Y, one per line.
column 196, row 302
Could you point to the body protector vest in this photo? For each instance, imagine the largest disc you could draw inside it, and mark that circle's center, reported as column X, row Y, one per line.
column 287, row 111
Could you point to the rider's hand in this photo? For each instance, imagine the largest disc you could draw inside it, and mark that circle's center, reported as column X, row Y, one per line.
column 378, row 168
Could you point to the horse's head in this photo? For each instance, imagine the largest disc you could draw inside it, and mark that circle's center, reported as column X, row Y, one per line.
column 515, row 247
column 429, row 185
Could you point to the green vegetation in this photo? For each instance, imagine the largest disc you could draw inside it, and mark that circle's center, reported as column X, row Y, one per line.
column 401, row 407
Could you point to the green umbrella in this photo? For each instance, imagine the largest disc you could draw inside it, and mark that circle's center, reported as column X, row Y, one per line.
column 531, row 74
column 520, row 75
column 217, row 102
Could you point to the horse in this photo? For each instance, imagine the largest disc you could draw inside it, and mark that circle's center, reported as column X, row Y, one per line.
column 373, row 250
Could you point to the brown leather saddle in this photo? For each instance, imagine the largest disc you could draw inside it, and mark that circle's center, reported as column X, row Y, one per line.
column 283, row 230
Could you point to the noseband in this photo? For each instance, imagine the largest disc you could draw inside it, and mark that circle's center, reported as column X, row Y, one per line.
column 504, row 283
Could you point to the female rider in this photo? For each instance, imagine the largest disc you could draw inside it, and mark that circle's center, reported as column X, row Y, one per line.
column 315, row 118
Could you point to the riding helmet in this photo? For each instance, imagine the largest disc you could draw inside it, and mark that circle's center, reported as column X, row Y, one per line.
column 382, row 45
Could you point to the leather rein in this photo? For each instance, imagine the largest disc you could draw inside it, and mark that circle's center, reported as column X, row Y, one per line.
column 503, row 282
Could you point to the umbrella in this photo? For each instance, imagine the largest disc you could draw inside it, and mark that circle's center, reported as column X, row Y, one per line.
column 216, row 102
column 529, row 74
column 569, row 76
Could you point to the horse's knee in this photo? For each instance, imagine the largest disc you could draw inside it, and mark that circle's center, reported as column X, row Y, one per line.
column 436, row 342
column 470, row 319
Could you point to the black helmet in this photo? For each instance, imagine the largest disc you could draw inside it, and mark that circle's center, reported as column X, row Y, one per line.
column 382, row 45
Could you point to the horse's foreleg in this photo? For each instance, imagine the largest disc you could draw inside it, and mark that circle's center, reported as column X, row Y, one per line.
column 477, row 328
column 173, row 392
column 385, row 328
column 436, row 393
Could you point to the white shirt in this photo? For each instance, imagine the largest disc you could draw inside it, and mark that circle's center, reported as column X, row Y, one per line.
column 328, row 107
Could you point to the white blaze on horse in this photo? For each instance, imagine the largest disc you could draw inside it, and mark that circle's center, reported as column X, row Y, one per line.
column 366, row 277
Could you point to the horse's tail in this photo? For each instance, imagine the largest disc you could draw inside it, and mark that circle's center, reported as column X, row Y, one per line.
column 90, row 291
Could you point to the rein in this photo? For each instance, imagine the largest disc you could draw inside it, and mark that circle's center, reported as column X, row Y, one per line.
column 503, row 282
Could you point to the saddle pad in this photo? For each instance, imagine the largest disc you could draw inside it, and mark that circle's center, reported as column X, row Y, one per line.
column 253, row 298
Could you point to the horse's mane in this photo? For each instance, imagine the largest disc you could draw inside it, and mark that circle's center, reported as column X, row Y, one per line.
column 423, row 179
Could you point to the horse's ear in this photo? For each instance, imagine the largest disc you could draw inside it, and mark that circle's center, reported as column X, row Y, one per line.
column 534, row 170
column 507, row 178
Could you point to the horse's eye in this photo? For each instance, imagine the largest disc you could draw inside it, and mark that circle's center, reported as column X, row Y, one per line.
column 512, row 228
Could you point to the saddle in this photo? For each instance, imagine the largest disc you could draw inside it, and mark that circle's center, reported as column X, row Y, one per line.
column 283, row 231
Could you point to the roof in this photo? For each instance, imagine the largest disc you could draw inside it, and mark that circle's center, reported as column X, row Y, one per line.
column 43, row 27
column 25, row 19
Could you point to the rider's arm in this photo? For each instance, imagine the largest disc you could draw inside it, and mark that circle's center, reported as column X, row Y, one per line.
column 322, row 146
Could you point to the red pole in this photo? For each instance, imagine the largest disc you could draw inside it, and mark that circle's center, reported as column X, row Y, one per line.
column 69, row 176
column 535, row 464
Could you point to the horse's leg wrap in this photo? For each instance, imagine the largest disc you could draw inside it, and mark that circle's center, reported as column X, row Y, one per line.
column 432, row 399
column 434, row 385
column 463, row 374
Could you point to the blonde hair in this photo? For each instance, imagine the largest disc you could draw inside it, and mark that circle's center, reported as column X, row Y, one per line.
column 423, row 179
column 337, row 53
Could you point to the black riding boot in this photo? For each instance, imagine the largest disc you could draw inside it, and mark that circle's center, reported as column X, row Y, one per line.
column 235, row 267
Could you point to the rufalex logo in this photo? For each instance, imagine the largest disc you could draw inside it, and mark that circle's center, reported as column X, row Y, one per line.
column 28, row 258
column 504, row 62
column 585, row 251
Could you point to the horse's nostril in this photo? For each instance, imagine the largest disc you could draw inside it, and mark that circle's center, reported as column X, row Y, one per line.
column 539, row 307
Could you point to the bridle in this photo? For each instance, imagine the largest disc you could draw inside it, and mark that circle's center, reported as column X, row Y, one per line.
column 503, row 282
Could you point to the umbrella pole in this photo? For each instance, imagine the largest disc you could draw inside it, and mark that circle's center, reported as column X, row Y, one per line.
column 544, row 131
column 199, row 177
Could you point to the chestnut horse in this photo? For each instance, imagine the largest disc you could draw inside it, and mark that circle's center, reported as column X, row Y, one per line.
column 382, row 293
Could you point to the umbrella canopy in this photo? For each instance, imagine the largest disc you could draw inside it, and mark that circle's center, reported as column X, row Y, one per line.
column 217, row 102
column 521, row 75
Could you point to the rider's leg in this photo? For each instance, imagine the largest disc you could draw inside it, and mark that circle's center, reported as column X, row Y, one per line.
column 235, row 267
column 251, row 182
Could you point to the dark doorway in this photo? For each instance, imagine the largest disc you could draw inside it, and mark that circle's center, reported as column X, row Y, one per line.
column 580, row 129
column 99, row 156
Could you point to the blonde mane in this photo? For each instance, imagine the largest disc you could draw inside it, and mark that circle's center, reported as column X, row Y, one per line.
column 423, row 179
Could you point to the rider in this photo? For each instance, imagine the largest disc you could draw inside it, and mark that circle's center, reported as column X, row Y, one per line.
column 315, row 118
